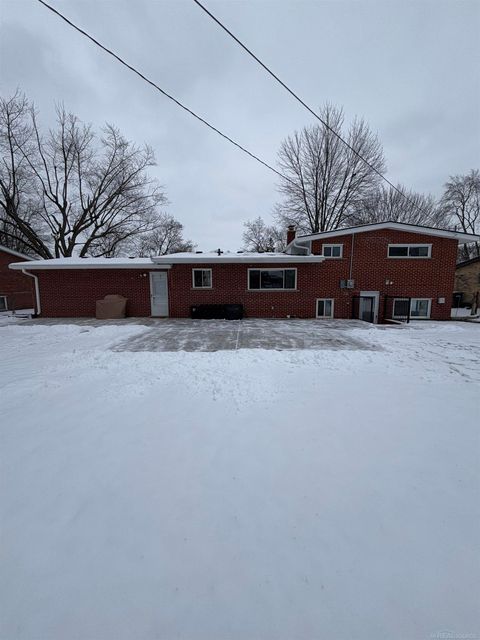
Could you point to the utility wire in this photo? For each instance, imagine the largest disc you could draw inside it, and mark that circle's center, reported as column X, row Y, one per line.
column 205, row 122
column 167, row 95
column 302, row 102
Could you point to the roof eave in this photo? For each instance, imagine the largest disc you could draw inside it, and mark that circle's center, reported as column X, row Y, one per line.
column 17, row 254
column 461, row 237
column 467, row 263
column 199, row 259
column 49, row 267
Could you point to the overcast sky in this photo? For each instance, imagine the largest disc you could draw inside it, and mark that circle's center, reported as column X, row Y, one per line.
column 411, row 69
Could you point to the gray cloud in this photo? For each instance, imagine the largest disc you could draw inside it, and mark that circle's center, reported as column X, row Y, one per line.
column 410, row 68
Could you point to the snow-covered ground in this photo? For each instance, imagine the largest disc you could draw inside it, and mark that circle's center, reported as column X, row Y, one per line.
column 18, row 313
column 237, row 495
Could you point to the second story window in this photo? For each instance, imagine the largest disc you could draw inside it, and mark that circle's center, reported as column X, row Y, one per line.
column 333, row 250
column 202, row 278
column 409, row 250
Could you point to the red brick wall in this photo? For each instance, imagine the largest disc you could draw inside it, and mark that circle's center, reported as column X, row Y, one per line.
column 411, row 277
column 70, row 293
column 417, row 278
column 74, row 292
column 230, row 285
column 18, row 288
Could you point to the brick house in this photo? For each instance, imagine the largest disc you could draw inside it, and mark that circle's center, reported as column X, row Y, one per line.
column 375, row 272
column 16, row 289
column 467, row 282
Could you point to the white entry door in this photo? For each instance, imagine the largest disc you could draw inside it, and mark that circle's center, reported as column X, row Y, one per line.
column 159, row 293
column 368, row 306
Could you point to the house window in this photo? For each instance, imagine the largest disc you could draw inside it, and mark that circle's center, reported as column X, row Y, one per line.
column 409, row 250
column 272, row 279
column 419, row 308
column 3, row 303
column 333, row 250
column 202, row 278
column 400, row 308
column 325, row 308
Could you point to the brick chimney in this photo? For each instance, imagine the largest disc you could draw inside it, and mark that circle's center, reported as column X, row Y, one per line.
column 291, row 233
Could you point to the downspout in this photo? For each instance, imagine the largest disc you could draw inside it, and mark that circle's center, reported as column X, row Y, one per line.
column 351, row 257
column 38, row 308
column 295, row 243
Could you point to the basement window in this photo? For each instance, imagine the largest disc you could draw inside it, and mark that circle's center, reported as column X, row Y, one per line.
column 272, row 279
column 202, row 278
column 3, row 303
column 419, row 308
column 409, row 250
column 325, row 308
column 333, row 250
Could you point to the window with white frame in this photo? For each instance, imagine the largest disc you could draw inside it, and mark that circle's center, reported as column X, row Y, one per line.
column 259, row 279
column 409, row 250
column 202, row 278
column 3, row 303
column 325, row 308
column 419, row 308
column 333, row 250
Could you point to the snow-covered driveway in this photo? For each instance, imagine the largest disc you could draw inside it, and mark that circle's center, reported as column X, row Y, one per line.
column 244, row 494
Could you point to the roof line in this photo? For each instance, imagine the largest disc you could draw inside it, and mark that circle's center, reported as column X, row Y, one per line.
column 259, row 259
column 46, row 265
column 15, row 253
column 465, row 263
column 415, row 228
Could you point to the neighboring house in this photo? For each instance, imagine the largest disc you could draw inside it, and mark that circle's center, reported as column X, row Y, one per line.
column 467, row 282
column 375, row 272
column 16, row 289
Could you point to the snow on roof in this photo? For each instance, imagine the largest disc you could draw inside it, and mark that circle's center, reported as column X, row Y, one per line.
column 209, row 257
column 463, row 238
column 87, row 263
column 163, row 262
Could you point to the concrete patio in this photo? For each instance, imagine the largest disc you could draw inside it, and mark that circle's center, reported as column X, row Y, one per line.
column 222, row 335
column 228, row 335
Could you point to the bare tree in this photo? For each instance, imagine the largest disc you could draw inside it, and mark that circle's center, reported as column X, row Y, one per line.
column 387, row 204
column 89, row 194
column 21, row 227
column 461, row 205
column 167, row 237
column 258, row 236
column 326, row 180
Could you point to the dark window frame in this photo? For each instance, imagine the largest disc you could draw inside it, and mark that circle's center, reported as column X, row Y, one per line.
column 409, row 251
column 413, row 314
column 332, row 308
column 260, row 288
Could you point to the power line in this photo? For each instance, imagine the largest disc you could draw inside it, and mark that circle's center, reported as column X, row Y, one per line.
column 165, row 93
column 205, row 122
column 302, row 102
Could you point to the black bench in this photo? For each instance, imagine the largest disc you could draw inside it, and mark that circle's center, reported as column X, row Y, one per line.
column 216, row 311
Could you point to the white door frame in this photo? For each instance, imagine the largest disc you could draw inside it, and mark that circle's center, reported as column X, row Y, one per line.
column 372, row 294
column 152, row 273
